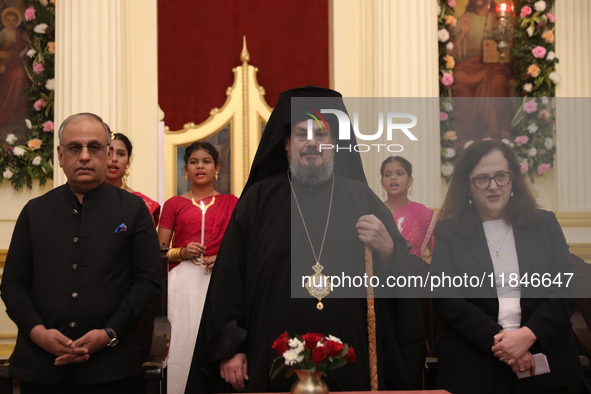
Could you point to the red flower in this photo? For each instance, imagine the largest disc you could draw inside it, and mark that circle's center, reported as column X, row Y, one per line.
column 350, row 356
column 333, row 348
column 318, row 355
column 281, row 344
column 311, row 340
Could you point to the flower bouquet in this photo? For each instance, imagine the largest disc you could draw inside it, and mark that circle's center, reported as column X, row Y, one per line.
column 312, row 352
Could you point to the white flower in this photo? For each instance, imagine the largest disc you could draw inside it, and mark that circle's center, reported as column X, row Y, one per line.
column 291, row 357
column 468, row 143
column 532, row 128
column 530, row 31
column 7, row 174
column 50, row 84
column 540, row 5
column 18, row 151
column 532, row 152
column 448, row 106
column 550, row 56
column 549, row 143
column 296, row 344
column 43, row 2
column 334, row 339
column 545, row 100
column 36, row 161
column 505, row 141
column 528, row 87
column 443, row 35
column 449, row 153
column 447, row 169
column 40, row 28
column 554, row 77
column 29, row 124
column 11, row 138
column 449, row 46
column 31, row 53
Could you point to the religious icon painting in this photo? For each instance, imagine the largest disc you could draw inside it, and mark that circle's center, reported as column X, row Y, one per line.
column 480, row 72
column 13, row 74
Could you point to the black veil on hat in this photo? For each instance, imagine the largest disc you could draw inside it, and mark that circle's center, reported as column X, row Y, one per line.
column 271, row 156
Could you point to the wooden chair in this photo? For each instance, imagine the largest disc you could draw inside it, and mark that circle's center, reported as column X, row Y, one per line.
column 153, row 372
column 431, row 322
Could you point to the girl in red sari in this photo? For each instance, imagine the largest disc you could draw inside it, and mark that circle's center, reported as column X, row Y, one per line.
column 118, row 167
column 193, row 253
column 415, row 221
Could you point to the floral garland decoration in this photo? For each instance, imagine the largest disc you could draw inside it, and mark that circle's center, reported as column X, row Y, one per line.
column 446, row 59
column 532, row 128
column 22, row 162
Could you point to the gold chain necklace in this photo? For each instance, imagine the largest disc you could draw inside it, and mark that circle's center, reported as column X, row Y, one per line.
column 204, row 208
column 497, row 254
column 318, row 285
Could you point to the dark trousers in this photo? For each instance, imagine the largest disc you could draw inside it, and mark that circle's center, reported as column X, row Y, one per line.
column 69, row 385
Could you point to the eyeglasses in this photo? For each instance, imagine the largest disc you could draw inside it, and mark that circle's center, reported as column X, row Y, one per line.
column 483, row 182
column 320, row 135
column 74, row 149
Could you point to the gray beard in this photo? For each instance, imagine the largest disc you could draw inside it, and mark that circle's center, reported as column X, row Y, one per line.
column 312, row 174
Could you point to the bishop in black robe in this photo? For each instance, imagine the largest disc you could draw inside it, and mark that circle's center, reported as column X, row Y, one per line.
column 265, row 252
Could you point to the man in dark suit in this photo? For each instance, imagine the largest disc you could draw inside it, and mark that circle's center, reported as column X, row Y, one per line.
column 82, row 267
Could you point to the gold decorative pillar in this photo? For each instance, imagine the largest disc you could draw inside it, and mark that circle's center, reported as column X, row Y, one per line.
column 244, row 113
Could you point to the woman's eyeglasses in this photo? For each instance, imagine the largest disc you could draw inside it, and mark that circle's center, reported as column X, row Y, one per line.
column 483, row 182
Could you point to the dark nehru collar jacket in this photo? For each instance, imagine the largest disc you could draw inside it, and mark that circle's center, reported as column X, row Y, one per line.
column 75, row 268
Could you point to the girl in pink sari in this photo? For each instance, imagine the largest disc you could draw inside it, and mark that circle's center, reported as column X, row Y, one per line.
column 118, row 171
column 415, row 221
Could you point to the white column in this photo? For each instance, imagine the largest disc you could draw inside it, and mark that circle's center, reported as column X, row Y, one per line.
column 573, row 137
column 106, row 63
column 384, row 48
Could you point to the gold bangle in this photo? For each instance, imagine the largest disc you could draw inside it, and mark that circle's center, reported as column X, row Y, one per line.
column 174, row 255
column 170, row 254
column 178, row 256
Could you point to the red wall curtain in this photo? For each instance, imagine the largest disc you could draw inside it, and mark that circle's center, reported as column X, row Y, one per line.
column 199, row 42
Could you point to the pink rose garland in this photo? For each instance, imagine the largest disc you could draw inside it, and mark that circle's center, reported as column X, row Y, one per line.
column 39, row 104
column 447, row 79
column 30, row 14
column 521, row 140
column 48, row 126
column 551, row 17
column 525, row 11
column 543, row 168
column 530, row 106
column 539, row 52
column 38, row 68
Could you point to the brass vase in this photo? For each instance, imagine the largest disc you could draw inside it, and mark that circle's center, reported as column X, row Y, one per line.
column 309, row 383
